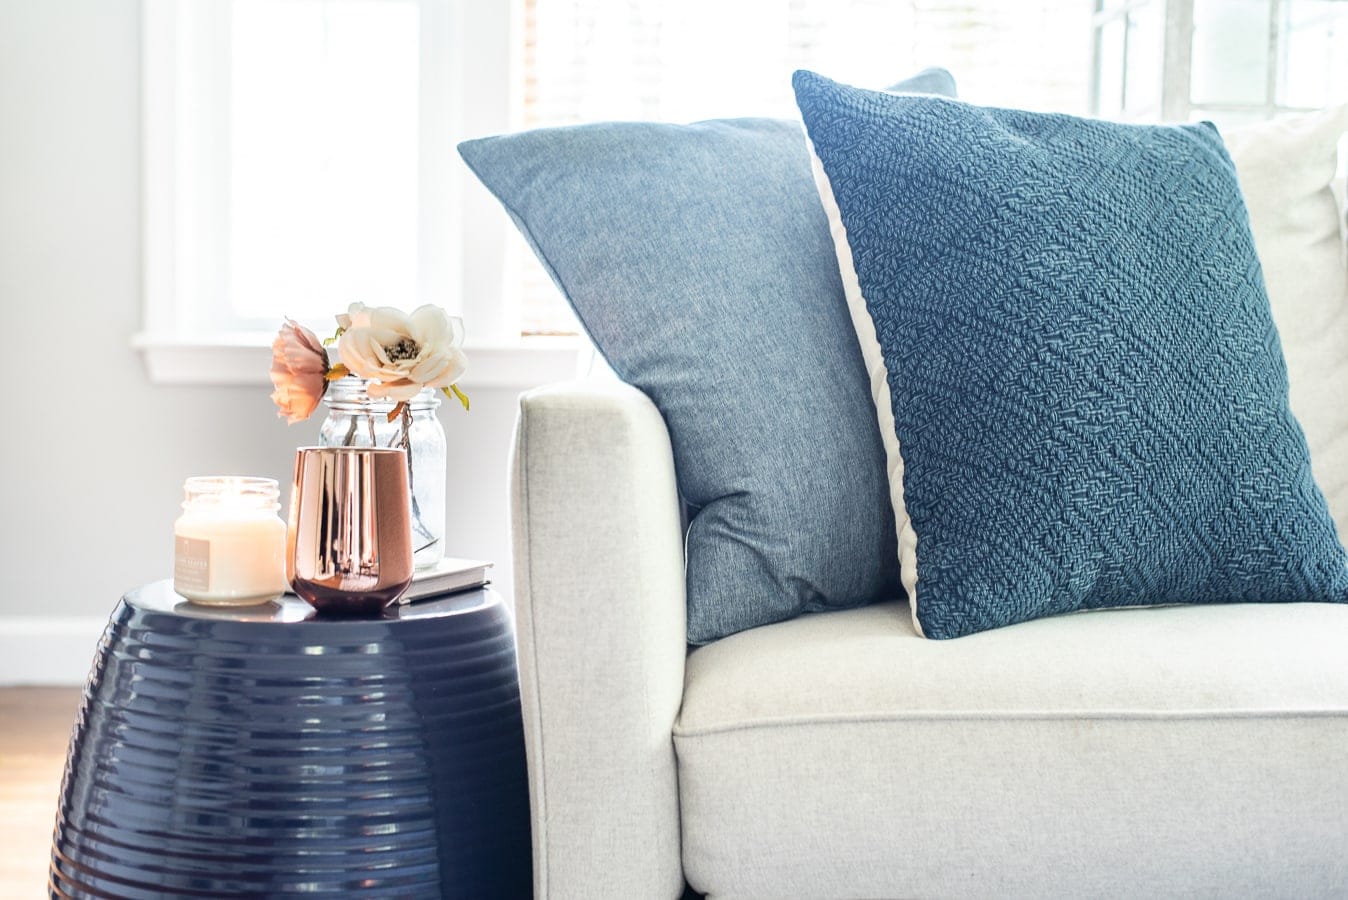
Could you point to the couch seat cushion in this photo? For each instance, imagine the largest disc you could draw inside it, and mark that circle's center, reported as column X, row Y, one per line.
column 1119, row 752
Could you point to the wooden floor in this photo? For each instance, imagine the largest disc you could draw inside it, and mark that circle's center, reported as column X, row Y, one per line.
column 35, row 727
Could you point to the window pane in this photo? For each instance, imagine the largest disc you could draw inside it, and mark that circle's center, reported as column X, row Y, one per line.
column 698, row 59
column 1110, row 68
column 1230, row 51
column 323, row 129
column 1146, row 47
column 1314, row 53
column 1027, row 55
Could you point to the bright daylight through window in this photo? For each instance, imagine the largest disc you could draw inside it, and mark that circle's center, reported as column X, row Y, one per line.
column 300, row 152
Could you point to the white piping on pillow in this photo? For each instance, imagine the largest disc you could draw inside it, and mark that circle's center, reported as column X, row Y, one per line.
column 879, row 378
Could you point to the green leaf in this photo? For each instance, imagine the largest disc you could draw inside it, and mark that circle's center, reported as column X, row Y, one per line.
column 460, row 395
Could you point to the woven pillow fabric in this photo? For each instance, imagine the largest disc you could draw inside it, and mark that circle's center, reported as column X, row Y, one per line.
column 1079, row 383
column 699, row 261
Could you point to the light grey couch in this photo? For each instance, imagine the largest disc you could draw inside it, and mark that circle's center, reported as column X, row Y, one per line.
column 1147, row 752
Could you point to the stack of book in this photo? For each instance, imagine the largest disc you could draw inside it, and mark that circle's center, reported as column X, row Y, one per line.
column 449, row 576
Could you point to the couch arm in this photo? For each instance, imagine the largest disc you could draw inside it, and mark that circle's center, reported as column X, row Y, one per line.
column 599, row 594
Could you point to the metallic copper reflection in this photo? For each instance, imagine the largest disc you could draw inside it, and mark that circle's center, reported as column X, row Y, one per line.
column 350, row 537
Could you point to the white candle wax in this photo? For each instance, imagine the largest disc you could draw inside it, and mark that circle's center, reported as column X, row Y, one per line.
column 229, row 543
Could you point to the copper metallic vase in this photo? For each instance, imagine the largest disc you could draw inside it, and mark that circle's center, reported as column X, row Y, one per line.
column 350, row 536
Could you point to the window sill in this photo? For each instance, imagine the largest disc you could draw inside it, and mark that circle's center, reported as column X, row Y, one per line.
column 245, row 359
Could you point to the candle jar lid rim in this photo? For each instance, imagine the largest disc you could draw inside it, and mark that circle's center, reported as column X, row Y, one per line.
column 244, row 492
column 220, row 483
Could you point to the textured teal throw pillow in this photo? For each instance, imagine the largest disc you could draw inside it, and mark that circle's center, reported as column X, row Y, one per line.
column 1080, row 387
column 699, row 261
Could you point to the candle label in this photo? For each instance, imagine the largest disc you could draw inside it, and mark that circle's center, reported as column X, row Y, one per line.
column 192, row 564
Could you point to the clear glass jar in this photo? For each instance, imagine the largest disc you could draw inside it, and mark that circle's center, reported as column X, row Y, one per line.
column 356, row 420
column 230, row 543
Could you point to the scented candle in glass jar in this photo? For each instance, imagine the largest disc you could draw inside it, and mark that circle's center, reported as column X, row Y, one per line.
column 230, row 542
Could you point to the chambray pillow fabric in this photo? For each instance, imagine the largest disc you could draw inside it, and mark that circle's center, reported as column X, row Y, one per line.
column 699, row 261
column 1079, row 383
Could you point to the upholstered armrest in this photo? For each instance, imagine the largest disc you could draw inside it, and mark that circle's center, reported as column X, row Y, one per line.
column 599, row 591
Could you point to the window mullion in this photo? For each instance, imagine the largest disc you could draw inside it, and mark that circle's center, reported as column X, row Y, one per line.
column 1275, row 9
column 158, row 160
column 207, row 104
column 1177, row 71
column 486, row 69
column 439, row 259
column 185, row 165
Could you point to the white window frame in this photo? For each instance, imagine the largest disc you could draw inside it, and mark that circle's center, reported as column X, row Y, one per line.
column 467, row 94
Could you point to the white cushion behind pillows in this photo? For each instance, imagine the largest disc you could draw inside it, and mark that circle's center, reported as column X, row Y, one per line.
column 1286, row 168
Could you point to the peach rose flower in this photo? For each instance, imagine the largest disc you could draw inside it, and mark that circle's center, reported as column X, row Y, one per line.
column 299, row 369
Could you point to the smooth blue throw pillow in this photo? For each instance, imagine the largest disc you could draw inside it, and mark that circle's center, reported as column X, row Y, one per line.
column 1084, row 399
column 699, row 261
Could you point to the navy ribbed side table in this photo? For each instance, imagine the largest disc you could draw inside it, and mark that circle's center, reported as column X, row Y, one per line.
column 266, row 752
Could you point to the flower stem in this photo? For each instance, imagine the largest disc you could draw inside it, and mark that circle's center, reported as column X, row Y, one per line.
column 404, row 440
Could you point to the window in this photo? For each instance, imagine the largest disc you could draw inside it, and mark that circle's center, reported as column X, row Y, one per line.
column 701, row 59
column 322, row 170
column 1226, row 60
column 299, row 153
column 288, row 171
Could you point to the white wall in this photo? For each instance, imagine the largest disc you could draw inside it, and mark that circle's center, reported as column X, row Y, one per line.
column 92, row 456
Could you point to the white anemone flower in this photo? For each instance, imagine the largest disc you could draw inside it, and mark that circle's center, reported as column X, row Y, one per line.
column 401, row 353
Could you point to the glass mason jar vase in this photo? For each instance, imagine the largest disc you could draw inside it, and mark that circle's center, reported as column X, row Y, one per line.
column 357, row 420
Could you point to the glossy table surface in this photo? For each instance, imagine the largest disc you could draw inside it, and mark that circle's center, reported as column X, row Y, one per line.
column 267, row 751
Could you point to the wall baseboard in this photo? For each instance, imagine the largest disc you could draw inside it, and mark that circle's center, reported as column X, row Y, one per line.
column 48, row 651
